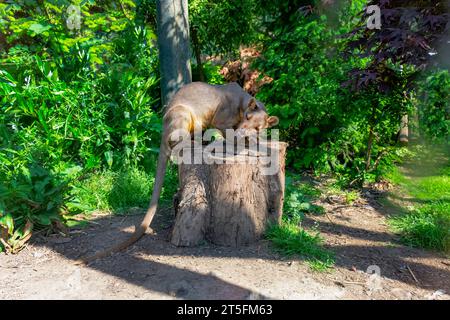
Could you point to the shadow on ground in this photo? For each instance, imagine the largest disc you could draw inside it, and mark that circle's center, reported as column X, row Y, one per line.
column 354, row 247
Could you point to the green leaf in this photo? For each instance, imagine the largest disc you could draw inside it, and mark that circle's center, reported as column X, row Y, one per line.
column 39, row 28
column 7, row 222
column 44, row 220
column 109, row 158
column 7, row 78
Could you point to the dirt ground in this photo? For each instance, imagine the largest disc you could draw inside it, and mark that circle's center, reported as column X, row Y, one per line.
column 154, row 269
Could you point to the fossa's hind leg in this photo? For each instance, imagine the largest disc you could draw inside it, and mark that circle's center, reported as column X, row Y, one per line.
column 178, row 126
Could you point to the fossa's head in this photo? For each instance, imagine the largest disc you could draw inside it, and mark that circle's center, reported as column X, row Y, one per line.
column 256, row 117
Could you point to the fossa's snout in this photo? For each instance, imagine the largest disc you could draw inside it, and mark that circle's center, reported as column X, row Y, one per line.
column 256, row 118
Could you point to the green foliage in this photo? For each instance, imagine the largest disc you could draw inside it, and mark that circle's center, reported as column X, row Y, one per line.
column 35, row 195
column 434, row 108
column 11, row 238
column 80, row 115
column 298, row 200
column 92, row 193
column 432, row 188
column 330, row 128
column 116, row 191
column 337, row 189
column 208, row 18
column 306, row 95
column 74, row 102
column 212, row 73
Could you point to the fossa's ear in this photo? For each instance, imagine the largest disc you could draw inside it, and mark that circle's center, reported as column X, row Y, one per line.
column 272, row 121
column 252, row 104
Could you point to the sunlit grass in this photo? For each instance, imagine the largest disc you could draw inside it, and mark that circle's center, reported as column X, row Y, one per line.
column 427, row 226
column 117, row 191
column 290, row 239
column 395, row 176
column 349, row 196
column 426, row 223
column 114, row 191
column 431, row 188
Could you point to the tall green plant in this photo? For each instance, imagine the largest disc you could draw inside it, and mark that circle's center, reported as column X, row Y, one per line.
column 71, row 102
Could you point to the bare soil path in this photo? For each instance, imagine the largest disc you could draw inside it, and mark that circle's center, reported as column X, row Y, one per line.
column 154, row 269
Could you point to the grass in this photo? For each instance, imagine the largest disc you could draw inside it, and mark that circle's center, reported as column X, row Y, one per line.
column 426, row 184
column 335, row 187
column 93, row 192
column 395, row 176
column 117, row 191
column 290, row 239
column 427, row 226
column 431, row 188
column 114, row 191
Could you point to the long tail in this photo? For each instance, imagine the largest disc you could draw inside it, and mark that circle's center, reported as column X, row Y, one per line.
column 139, row 231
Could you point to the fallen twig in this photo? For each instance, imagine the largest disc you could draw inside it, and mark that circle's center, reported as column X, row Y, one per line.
column 412, row 273
column 355, row 282
column 348, row 282
column 328, row 216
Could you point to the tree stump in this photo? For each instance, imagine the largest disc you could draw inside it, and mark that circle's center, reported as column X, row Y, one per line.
column 229, row 203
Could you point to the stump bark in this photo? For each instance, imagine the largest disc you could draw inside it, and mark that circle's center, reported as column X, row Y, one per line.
column 229, row 203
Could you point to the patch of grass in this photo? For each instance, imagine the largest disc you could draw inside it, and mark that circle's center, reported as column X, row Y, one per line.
column 426, row 222
column 307, row 190
column 427, row 226
column 131, row 188
column 93, row 192
column 299, row 183
column 119, row 191
column 395, row 176
column 348, row 195
column 170, row 186
column 445, row 171
column 351, row 196
column 320, row 265
column 431, row 188
column 289, row 239
column 77, row 223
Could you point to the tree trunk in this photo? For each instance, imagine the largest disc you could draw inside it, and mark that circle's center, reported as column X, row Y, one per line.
column 231, row 203
column 173, row 43
column 403, row 136
column 198, row 55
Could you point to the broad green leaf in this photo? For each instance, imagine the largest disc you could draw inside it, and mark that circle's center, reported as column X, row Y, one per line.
column 7, row 221
column 39, row 28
